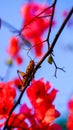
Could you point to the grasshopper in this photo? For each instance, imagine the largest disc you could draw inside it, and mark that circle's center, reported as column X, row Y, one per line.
column 25, row 76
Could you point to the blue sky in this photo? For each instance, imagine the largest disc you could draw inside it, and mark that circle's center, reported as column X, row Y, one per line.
column 10, row 11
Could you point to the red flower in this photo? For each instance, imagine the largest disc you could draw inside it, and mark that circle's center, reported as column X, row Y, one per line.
column 39, row 90
column 51, row 96
column 43, row 113
column 70, row 116
column 42, row 101
column 36, row 91
column 7, row 95
column 13, row 50
column 55, row 127
column 35, row 28
column 18, row 60
column 13, row 47
column 70, row 105
column 70, row 122
column 24, row 109
column 37, row 46
column 17, row 121
column 28, row 114
column 16, row 82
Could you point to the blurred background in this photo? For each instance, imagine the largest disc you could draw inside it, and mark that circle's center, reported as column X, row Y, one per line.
column 63, row 51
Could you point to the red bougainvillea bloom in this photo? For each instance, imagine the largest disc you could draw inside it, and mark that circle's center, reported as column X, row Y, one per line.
column 35, row 28
column 70, row 116
column 18, row 60
column 7, row 95
column 37, row 94
column 42, row 99
column 13, row 47
column 17, row 121
column 13, row 50
column 28, row 113
column 41, row 116
column 36, row 124
column 16, row 82
column 38, row 46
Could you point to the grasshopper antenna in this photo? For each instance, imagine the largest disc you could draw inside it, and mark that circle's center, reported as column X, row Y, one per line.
column 34, row 46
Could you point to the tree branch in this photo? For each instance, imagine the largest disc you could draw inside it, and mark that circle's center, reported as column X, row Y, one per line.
column 55, row 39
column 51, row 19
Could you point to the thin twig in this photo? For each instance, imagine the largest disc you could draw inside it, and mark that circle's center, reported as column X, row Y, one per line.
column 51, row 19
column 56, row 68
column 43, row 16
